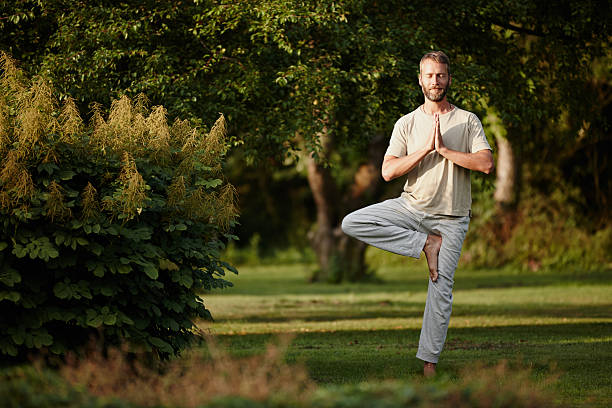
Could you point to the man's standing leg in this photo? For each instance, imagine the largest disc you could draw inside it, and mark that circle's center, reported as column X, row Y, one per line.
column 438, row 306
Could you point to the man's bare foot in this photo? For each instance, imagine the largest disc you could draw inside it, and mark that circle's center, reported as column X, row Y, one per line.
column 429, row 369
column 432, row 249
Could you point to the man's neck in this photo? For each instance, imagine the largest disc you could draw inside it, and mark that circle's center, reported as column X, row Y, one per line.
column 442, row 107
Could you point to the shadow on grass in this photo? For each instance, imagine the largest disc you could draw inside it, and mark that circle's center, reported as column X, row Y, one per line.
column 373, row 310
column 459, row 337
column 251, row 282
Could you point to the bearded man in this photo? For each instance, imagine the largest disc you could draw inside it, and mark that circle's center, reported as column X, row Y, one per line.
column 435, row 146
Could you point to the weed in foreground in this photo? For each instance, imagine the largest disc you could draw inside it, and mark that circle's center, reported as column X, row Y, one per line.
column 190, row 381
column 502, row 385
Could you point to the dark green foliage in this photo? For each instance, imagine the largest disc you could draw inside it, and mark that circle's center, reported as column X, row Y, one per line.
column 112, row 229
column 330, row 77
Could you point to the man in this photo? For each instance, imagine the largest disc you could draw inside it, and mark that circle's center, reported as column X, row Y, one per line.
column 436, row 146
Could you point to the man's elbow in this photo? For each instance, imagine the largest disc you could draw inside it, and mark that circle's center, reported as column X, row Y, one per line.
column 386, row 175
column 488, row 167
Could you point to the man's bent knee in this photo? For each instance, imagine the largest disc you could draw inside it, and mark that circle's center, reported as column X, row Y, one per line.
column 348, row 224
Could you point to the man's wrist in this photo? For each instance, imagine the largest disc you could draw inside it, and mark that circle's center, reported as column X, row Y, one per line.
column 442, row 150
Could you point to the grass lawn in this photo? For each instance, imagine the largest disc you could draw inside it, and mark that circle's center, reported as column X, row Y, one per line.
column 557, row 322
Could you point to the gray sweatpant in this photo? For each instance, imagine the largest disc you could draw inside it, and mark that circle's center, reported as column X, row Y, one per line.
column 395, row 226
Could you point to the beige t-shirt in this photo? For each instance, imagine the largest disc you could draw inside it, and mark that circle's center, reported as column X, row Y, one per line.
column 437, row 185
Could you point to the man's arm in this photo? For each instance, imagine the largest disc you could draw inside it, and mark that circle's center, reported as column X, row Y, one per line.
column 481, row 160
column 394, row 167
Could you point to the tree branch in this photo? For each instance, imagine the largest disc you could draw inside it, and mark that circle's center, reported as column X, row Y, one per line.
column 518, row 29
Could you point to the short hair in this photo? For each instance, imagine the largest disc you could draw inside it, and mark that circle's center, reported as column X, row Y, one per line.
column 439, row 57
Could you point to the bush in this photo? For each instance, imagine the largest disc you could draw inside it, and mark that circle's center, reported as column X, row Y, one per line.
column 547, row 231
column 110, row 229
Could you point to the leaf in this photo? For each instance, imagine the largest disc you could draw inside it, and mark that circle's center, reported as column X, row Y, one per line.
column 66, row 174
column 49, row 167
column 151, row 271
column 161, row 345
column 93, row 318
column 83, row 289
column 62, row 290
column 41, row 338
column 18, row 335
column 12, row 296
column 99, row 271
column 167, row 265
column 185, row 279
column 124, row 269
column 59, row 238
column 110, row 319
column 10, row 276
column 8, row 348
column 76, row 224
column 19, row 251
column 95, row 248
column 210, row 183
column 125, row 319
column 142, row 323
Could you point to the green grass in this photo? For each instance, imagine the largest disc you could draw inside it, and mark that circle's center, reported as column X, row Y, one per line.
column 555, row 322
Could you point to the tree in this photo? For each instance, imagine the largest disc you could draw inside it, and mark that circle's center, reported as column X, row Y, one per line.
column 323, row 82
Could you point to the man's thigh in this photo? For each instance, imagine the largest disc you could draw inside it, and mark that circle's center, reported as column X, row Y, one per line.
column 389, row 212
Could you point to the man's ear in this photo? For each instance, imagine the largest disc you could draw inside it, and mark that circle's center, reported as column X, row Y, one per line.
column 420, row 83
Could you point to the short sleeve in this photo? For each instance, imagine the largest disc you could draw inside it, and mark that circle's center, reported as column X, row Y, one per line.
column 398, row 142
column 478, row 140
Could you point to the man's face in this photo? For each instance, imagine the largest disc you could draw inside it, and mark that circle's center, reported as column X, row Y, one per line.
column 434, row 80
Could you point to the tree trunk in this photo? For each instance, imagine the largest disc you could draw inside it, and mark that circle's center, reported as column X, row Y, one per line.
column 507, row 189
column 506, row 174
column 339, row 256
column 322, row 237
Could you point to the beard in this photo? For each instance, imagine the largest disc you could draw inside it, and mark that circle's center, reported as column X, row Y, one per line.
column 435, row 94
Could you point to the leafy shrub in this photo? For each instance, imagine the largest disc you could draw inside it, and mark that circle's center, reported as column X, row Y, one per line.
column 112, row 228
column 546, row 231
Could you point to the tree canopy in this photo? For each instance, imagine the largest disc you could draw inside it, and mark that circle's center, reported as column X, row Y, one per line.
column 331, row 77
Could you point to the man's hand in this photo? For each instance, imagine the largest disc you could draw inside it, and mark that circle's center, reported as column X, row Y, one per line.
column 439, row 143
column 430, row 145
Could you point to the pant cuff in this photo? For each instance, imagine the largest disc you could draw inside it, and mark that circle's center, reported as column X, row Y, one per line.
column 427, row 357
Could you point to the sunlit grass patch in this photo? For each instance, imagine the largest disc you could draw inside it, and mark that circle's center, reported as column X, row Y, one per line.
column 349, row 333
